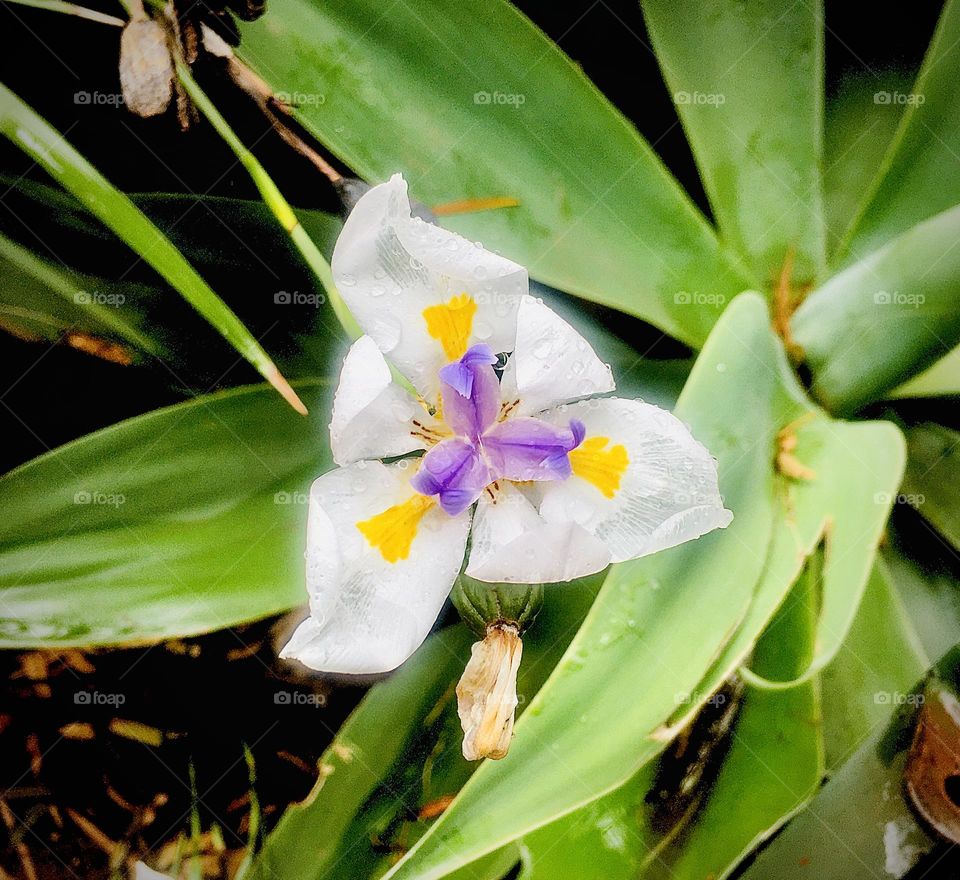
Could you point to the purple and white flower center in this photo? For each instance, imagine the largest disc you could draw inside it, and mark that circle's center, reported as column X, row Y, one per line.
column 486, row 449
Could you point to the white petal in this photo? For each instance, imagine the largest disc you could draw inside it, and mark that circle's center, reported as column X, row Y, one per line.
column 389, row 267
column 372, row 415
column 554, row 364
column 511, row 543
column 368, row 614
column 668, row 493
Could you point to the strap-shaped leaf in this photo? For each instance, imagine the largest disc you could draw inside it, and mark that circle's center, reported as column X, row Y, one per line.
column 49, row 149
column 920, row 176
column 42, row 299
column 181, row 521
column 887, row 316
column 940, row 380
column 771, row 762
column 878, row 662
column 932, row 481
column 427, row 89
column 747, row 79
column 860, row 825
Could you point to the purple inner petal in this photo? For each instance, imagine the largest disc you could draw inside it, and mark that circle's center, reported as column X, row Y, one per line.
column 454, row 471
column 471, row 392
column 530, row 449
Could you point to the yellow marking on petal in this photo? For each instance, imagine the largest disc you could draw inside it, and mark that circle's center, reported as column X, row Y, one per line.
column 600, row 466
column 452, row 323
column 392, row 531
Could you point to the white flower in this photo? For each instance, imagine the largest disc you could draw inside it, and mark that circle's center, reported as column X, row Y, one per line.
column 550, row 482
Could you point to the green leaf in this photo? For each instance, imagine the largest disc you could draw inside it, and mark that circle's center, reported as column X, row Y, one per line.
column 49, row 149
column 883, row 318
column 640, row 636
column 45, row 300
column 858, row 131
column 603, row 840
column 924, row 570
column 920, row 176
column 184, row 520
column 599, row 216
column 859, row 827
column 857, row 468
column 776, row 757
column 774, row 762
column 940, row 380
column 375, row 778
column 932, row 481
column 747, row 79
column 865, row 678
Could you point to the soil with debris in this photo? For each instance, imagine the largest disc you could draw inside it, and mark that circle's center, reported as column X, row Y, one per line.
column 98, row 749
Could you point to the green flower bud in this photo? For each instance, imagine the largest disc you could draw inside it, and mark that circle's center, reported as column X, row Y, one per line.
column 482, row 605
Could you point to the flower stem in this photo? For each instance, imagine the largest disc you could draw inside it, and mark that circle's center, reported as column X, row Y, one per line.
column 273, row 198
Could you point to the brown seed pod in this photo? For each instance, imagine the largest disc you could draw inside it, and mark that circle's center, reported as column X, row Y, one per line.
column 146, row 69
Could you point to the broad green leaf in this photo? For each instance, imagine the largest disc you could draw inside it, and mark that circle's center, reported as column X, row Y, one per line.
column 859, row 827
column 184, row 520
column 470, row 100
column 775, row 760
column 580, row 738
column 932, row 481
column 925, row 572
column 747, row 80
column 885, row 317
column 940, row 380
column 41, row 299
column 603, row 840
column 859, row 126
column 376, row 778
column 878, row 662
column 920, row 175
column 857, row 468
column 49, row 149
